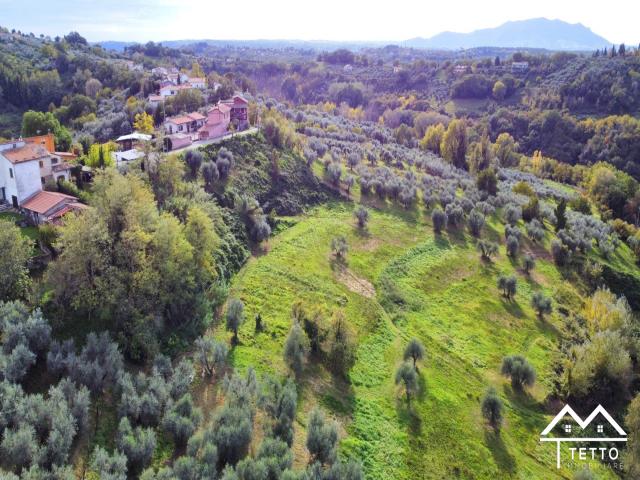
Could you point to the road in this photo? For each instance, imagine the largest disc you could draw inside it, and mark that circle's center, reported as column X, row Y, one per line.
column 204, row 143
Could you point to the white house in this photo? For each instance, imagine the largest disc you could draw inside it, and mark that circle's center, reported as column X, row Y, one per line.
column 519, row 67
column 171, row 90
column 187, row 123
column 197, row 82
column 20, row 171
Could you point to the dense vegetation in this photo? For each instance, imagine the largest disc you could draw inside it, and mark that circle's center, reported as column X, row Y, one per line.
column 401, row 275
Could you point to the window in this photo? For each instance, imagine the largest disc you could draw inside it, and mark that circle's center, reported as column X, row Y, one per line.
column 567, row 429
column 11, row 172
column 41, row 164
column 42, row 180
column 54, row 161
column 600, row 429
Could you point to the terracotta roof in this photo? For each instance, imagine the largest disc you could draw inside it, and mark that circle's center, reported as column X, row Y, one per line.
column 224, row 108
column 28, row 152
column 44, row 201
column 187, row 118
column 65, row 154
column 196, row 79
column 155, row 98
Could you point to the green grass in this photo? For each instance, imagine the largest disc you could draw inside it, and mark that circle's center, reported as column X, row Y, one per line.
column 433, row 288
column 29, row 232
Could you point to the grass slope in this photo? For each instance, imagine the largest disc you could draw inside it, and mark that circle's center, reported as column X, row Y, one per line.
column 433, row 288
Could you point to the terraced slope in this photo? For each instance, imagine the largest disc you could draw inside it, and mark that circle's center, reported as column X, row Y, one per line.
column 401, row 281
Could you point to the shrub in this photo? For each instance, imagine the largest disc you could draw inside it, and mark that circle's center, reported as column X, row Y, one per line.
column 414, row 351
column 339, row 246
column 362, row 216
column 296, row 348
column 322, row 438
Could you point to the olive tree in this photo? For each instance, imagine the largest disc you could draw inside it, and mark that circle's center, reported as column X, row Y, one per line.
column 407, row 377
column 492, row 409
column 414, row 351
column 519, row 370
column 322, row 438
column 296, row 348
column 235, row 317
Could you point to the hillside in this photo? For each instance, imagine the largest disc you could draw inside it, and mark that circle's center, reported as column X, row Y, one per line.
column 532, row 33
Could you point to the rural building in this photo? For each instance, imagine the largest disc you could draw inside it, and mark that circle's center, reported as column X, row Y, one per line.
column 217, row 123
column 239, row 114
column 127, row 142
column 187, row 123
column 49, row 207
column 20, row 171
column 519, row 67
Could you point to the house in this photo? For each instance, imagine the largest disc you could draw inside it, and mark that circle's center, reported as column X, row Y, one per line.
column 519, row 67
column 171, row 90
column 54, row 167
column 239, row 114
column 461, row 69
column 155, row 100
column 188, row 123
column 197, row 82
column 347, row 68
column 160, row 71
column 49, row 207
column 47, row 141
column 20, row 171
column 126, row 156
column 217, row 123
column 127, row 142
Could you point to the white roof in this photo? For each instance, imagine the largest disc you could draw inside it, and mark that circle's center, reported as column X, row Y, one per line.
column 134, row 136
column 127, row 155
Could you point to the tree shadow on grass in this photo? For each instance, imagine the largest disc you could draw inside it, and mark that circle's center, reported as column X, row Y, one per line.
column 513, row 307
column 505, row 460
column 408, row 415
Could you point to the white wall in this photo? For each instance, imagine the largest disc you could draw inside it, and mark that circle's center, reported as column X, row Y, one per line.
column 27, row 175
column 9, row 184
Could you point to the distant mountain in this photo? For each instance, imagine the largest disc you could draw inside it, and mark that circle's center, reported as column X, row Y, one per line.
column 533, row 33
column 536, row 33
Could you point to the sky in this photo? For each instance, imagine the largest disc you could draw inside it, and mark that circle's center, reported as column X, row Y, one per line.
column 351, row 20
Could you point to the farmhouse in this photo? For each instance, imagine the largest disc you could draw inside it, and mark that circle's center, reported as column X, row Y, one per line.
column 519, row 67
column 188, row 123
column 217, row 123
column 239, row 114
column 20, row 171
column 171, row 90
column 49, row 207
column 127, row 142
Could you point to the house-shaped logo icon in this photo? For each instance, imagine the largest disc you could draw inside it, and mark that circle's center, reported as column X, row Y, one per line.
column 617, row 433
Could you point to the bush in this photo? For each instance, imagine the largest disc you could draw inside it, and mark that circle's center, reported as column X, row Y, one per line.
column 322, row 439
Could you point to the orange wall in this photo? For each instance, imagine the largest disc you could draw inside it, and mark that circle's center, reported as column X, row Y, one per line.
column 47, row 141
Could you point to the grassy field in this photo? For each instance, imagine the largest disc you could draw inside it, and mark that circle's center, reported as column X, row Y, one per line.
column 402, row 281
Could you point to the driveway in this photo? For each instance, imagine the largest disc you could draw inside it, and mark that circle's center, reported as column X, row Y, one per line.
column 204, row 143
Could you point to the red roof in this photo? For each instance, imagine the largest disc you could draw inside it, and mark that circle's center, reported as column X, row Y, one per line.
column 44, row 201
column 188, row 118
column 221, row 107
column 26, row 153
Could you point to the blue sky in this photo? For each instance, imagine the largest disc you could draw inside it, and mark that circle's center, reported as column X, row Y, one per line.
column 142, row 20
